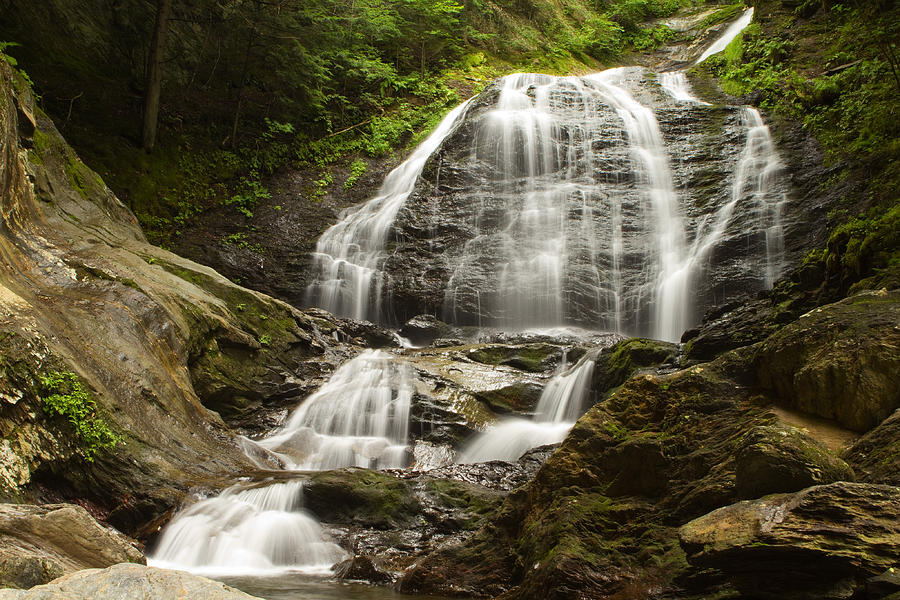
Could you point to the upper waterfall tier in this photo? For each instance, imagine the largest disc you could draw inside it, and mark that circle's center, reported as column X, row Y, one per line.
column 613, row 201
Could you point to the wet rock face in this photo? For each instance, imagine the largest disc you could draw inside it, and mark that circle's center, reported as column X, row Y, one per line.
column 454, row 249
column 40, row 543
column 823, row 542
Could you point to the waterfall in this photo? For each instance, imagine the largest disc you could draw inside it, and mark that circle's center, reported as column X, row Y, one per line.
column 561, row 403
column 348, row 255
column 258, row 531
column 726, row 38
column 675, row 83
column 359, row 417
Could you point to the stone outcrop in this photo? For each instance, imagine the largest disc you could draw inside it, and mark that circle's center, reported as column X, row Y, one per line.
column 126, row 582
column 40, row 543
column 823, row 542
column 839, row 361
column 600, row 518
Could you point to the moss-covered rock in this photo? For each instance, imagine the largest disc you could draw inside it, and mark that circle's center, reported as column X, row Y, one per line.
column 527, row 357
column 361, row 497
column 876, row 456
column 838, row 361
column 778, row 458
column 626, row 358
column 822, row 542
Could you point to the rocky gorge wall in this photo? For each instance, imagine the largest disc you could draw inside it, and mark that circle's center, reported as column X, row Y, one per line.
column 146, row 340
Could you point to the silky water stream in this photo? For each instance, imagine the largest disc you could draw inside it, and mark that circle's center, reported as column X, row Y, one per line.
column 580, row 220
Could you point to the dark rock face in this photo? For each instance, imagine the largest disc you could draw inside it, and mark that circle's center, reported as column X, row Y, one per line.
column 453, row 235
column 40, row 543
column 823, row 542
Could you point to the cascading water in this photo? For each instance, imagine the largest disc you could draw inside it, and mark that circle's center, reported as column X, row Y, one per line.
column 558, row 206
column 731, row 32
column 675, row 83
column 359, row 417
column 566, row 205
column 349, row 254
column 561, row 403
column 247, row 531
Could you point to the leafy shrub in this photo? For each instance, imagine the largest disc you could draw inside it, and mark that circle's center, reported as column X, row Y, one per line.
column 68, row 398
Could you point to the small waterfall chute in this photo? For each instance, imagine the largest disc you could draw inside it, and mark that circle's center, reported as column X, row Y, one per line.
column 731, row 32
column 359, row 417
column 561, row 403
column 349, row 254
column 248, row 531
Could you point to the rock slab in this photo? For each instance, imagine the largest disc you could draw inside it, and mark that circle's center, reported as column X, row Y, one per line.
column 127, row 582
column 40, row 543
column 822, row 542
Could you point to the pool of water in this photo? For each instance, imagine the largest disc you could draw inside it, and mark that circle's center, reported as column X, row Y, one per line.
column 297, row 586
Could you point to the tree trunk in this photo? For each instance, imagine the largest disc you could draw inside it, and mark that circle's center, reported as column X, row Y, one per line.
column 154, row 74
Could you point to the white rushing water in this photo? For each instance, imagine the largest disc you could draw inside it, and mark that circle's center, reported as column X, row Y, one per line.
column 348, row 255
column 359, row 417
column 675, row 83
column 731, row 32
column 561, row 403
column 259, row 531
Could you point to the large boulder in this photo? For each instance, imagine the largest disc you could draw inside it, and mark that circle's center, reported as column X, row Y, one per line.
column 129, row 581
column 822, row 542
column 40, row 543
column 839, row 361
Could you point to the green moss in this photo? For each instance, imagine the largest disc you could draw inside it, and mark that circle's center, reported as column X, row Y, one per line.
column 67, row 397
column 529, row 357
column 362, row 497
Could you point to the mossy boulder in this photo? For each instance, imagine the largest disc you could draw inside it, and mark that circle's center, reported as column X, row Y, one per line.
column 779, row 458
column 614, row 365
column 527, row 357
column 822, row 542
column 839, row 361
column 515, row 398
column 876, row 456
column 361, row 497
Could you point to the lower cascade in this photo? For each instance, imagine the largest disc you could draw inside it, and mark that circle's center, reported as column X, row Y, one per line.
column 561, row 403
column 259, row 531
column 360, row 417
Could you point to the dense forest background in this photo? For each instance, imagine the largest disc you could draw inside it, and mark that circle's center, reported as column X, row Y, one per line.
column 250, row 87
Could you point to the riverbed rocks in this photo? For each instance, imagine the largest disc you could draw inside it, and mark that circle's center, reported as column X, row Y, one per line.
column 601, row 516
column 822, row 542
column 40, row 543
column 126, row 582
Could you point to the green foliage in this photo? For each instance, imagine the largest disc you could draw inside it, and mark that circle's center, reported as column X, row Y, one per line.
column 68, row 398
column 357, row 168
column 12, row 62
column 252, row 191
column 265, row 340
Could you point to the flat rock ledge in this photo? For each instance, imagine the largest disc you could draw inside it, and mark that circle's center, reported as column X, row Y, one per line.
column 128, row 581
column 828, row 541
column 40, row 543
